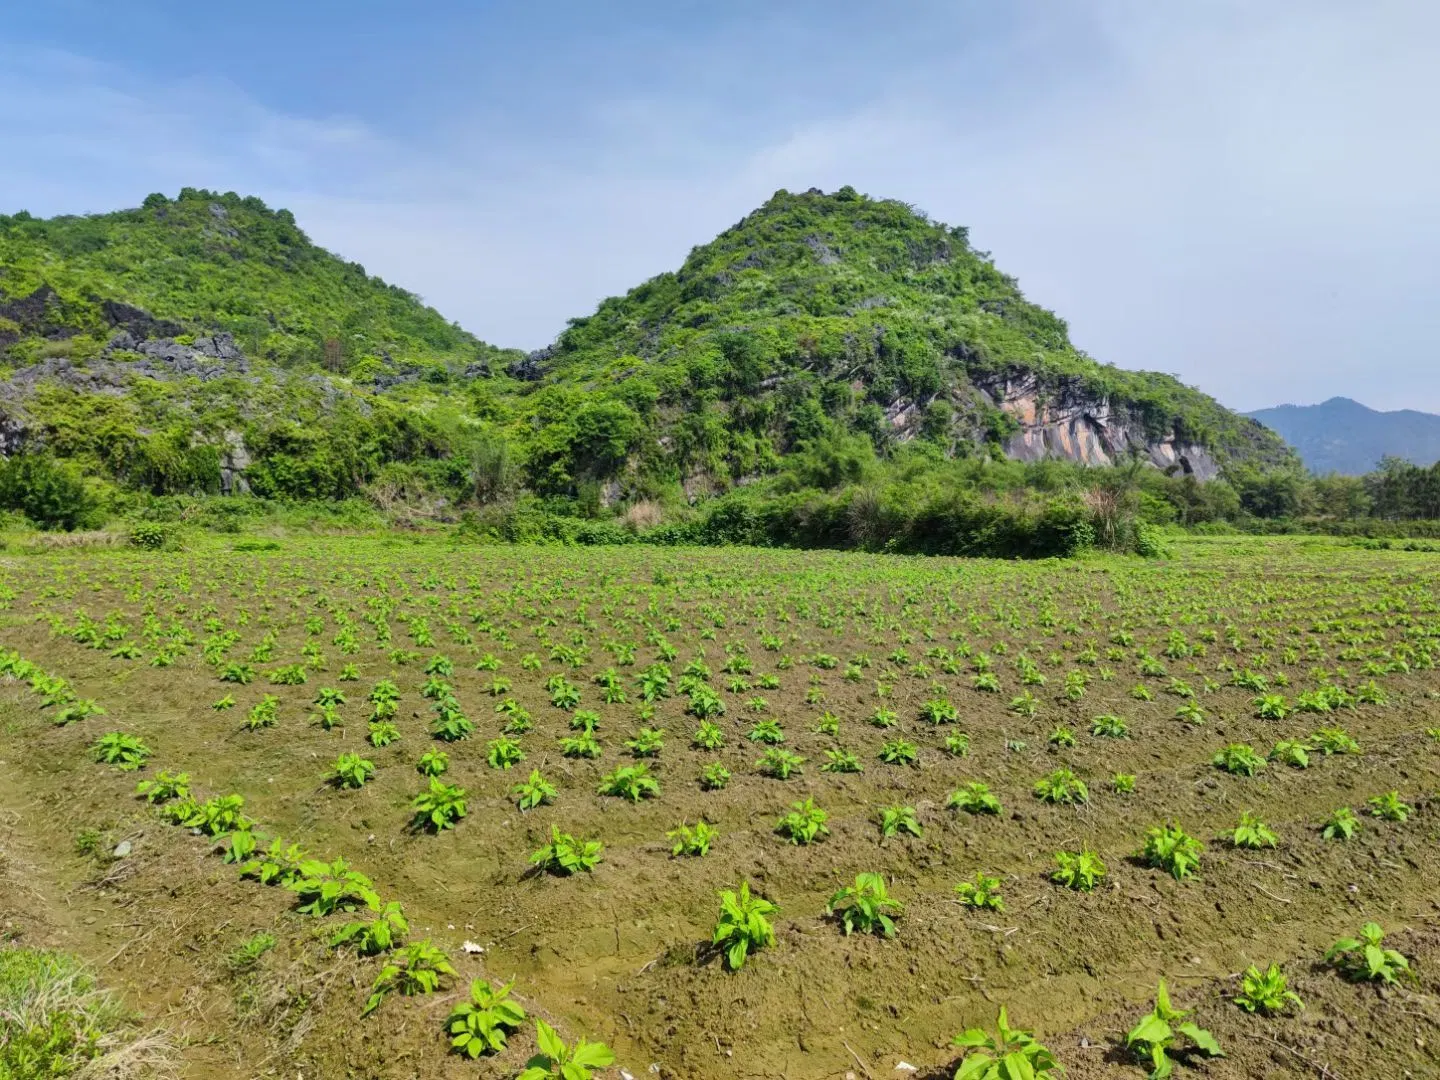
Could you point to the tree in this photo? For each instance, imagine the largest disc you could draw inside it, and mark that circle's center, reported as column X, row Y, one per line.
column 51, row 494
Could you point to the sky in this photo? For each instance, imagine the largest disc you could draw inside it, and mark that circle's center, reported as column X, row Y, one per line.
column 1243, row 193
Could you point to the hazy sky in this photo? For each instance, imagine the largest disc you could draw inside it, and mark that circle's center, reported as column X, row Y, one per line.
column 1245, row 193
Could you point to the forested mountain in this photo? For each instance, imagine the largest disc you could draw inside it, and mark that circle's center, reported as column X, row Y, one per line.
column 826, row 342
column 1343, row 436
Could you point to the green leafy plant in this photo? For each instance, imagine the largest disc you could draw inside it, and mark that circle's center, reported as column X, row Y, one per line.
column 804, row 824
column 1158, row 1034
column 439, row 807
column 957, row 744
column 383, row 733
column 779, row 763
column 1239, row 759
column 743, row 926
column 433, row 763
column 1078, row 870
column 556, row 1061
column 1292, row 753
column 898, row 819
column 714, row 777
column 1062, row 786
column 1365, row 959
column 899, row 752
column 126, row 752
column 324, row 889
column 692, row 841
column 164, row 787
column 483, row 1024
column 533, row 791
column 418, row 968
column 565, row 855
column 632, row 782
column 1123, row 783
column 351, row 771
column 974, row 798
column 984, row 893
column 1342, row 824
column 1009, row 1054
column 1266, row 992
column 1170, row 848
column 708, row 736
column 504, row 752
column 1251, row 833
column 378, row 935
column 647, row 742
column 1388, row 807
column 865, row 906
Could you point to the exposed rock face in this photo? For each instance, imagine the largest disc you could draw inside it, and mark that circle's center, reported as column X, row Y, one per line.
column 206, row 358
column 234, row 460
column 1066, row 422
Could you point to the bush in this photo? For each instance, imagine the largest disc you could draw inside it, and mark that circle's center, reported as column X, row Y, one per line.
column 149, row 535
column 50, row 493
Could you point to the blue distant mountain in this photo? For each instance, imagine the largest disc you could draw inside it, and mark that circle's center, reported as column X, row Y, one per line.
column 1344, row 436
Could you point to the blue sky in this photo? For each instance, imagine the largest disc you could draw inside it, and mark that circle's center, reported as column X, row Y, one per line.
column 1246, row 194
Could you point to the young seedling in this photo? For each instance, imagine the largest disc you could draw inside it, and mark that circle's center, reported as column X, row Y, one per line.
column 1157, row 1035
column 1109, row 726
column 898, row 819
column 164, row 787
column 1062, row 786
column 632, row 782
column 957, row 744
column 781, row 764
column 381, row 934
column 865, row 906
column 1365, row 959
column 1334, row 740
column 983, row 893
column 743, row 926
column 1239, row 759
column 565, row 855
column 708, row 736
column 1340, row 825
column 126, row 752
column 1388, row 807
column 504, row 752
column 383, row 733
column 418, row 968
column 1251, row 833
column 556, row 1061
column 1010, row 1054
column 433, row 763
column 351, row 771
column 1170, row 848
column 532, row 792
column 439, row 807
column 1078, row 870
column 804, row 824
column 1123, row 783
column 1062, row 738
column 1267, row 991
column 841, row 761
column 483, row 1024
column 692, row 841
column 768, row 732
column 899, row 752
column 714, row 777
column 974, row 798
column 1292, row 753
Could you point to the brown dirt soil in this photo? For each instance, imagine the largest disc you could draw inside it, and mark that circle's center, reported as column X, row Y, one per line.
column 620, row 954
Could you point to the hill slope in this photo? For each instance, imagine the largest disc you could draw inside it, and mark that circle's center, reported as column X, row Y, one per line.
column 204, row 344
column 1343, row 436
column 866, row 312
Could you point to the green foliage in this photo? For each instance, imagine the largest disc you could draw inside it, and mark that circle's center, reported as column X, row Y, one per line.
column 565, row 855
column 1078, row 870
column 974, row 798
column 50, row 493
column 692, row 841
column 1340, row 825
column 804, row 823
column 418, row 968
column 743, row 926
column 439, row 807
column 898, row 819
column 482, row 1024
column 1388, row 807
column 866, row 906
column 1365, row 959
column 983, row 893
column 556, row 1061
column 780, row 763
column 1009, row 1054
column 1266, row 992
column 534, row 791
column 1158, row 1034
column 127, row 752
column 1251, row 833
column 1062, row 786
column 380, row 934
column 351, row 771
column 1170, row 848
column 1239, row 759
column 632, row 782
column 54, row 1021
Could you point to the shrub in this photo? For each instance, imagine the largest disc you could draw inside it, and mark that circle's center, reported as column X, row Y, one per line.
column 50, row 493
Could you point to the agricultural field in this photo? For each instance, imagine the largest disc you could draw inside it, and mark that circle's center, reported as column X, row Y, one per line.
column 730, row 812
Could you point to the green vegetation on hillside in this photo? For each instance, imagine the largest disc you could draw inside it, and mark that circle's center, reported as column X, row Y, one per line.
column 829, row 372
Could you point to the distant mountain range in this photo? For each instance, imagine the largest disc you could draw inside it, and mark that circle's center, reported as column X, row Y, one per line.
column 1344, row 436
